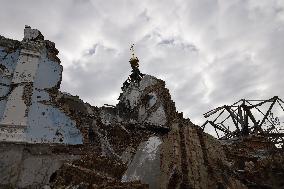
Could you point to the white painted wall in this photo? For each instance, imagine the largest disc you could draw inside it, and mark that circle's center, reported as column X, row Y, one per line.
column 14, row 113
column 39, row 122
column 48, row 73
column 27, row 66
column 10, row 60
column 49, row 124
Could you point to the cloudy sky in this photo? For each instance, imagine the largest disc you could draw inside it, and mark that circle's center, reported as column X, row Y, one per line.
column 209, row 52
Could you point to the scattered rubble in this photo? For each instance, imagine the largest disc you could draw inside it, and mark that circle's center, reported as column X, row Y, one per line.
column 51, row 139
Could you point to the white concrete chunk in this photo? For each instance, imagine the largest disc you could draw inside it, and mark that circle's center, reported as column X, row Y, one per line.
column 30, row 34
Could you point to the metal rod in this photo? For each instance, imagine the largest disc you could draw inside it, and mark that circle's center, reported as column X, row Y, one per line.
column 218, row 116
column 267, row 113
column 260, row 112
column 259, row 104
column 233, row 117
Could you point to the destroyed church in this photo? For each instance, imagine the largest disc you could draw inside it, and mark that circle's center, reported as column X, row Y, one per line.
column 51, row 139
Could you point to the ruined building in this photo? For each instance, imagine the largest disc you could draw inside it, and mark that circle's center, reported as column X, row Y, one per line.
column 51, row 139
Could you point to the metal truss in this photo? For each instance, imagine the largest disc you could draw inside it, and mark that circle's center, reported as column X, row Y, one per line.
column 247, row 117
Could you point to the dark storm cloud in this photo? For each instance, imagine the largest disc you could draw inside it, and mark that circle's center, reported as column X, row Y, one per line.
column 209, row 52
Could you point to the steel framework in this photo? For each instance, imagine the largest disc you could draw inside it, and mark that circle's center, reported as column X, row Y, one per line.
column 247, row 117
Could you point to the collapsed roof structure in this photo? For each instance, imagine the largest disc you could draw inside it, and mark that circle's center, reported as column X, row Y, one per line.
column 249, row 117
column 52, row 139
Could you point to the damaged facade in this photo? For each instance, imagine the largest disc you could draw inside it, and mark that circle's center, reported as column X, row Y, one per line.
column 31, row 71
column 52, row 139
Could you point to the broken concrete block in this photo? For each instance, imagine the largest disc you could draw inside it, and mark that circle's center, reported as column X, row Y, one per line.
column 32, row 34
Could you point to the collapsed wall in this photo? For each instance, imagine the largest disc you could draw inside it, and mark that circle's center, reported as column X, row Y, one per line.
column 58, row 141
column 30, row 69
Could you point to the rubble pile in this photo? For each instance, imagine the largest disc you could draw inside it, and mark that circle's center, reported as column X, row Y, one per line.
column 256, row 161
column 52, row 139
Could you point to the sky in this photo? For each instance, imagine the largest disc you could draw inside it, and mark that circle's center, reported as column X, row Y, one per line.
column 209, row 52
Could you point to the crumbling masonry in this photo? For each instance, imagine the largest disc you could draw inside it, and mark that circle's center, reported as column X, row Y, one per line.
column 52, row 139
